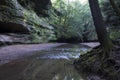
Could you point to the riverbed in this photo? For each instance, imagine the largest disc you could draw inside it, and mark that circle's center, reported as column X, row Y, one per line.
column 48, row 63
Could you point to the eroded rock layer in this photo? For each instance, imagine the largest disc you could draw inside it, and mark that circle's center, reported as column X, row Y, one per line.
column 25, row 18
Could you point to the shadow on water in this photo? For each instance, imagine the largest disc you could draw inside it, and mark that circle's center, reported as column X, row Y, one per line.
column 49, row 64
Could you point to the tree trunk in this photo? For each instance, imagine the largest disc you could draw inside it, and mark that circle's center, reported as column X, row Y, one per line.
column 103, row 37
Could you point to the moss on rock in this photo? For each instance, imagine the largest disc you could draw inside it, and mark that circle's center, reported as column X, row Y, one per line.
column 16, row 18
column 93, row 63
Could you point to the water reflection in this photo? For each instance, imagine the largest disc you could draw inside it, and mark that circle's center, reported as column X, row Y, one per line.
column 51, row 70
column 62, row 53
column 50, row 64
column 55, row 64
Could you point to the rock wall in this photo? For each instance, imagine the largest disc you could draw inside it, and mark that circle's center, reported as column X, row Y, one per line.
column 41, row 7
column 24, row 21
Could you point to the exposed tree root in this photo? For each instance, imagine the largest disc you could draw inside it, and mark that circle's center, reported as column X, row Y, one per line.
column 98, row 62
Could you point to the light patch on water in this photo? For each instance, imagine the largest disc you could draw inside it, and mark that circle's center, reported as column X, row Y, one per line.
column 62, row 55
column 69, row 49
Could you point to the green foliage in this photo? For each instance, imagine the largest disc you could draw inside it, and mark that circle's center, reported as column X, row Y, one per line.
column 109, row 13
column 114, row 33
column 111, row 18
column 73, row 22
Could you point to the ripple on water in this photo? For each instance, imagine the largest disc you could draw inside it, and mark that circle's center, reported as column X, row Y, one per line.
column 65, row 55
column 62, row 53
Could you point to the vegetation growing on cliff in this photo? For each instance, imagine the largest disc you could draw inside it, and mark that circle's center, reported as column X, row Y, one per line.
column 34, row 21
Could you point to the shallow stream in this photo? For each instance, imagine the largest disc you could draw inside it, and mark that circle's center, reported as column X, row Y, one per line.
column 50, row 64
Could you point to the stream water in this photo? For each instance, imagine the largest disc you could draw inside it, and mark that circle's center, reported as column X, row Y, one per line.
column 50, row 64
